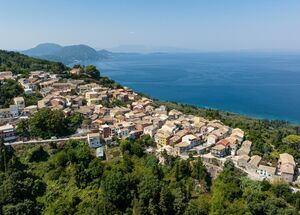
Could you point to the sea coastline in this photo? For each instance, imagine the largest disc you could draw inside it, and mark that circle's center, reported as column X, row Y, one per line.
column 259, row 85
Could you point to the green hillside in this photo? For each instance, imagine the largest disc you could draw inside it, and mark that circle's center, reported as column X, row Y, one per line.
column 22, row 64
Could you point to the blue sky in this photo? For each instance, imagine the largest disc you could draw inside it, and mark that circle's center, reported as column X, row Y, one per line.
column 207, row 25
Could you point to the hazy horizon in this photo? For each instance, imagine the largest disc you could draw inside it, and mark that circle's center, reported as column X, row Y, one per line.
column 139, row 48
column 195, row 25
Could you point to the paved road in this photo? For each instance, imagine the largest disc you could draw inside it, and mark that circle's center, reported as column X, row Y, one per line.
column 46, row 141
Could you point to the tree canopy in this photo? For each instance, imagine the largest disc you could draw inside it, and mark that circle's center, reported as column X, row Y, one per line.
column 68, row 179
column 22, row 64
column 47, row 123
column 8, row 90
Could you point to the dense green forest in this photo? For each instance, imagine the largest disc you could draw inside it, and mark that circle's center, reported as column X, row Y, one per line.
column 22, row 64
column 68, row 179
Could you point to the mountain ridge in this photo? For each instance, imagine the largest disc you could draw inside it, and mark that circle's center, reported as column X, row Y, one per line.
column 66, row 54
column 73, row 54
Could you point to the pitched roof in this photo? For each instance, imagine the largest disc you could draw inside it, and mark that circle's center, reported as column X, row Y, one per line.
column 268, row 169
column 287, row 168
column 6, row 127
column 182, row 144
column 224, row 142
column 247, row 143
column 287, row 158
column 20, row 98
column 255, row 159
column 244, row 157
column 93, row 135
column 219, row 147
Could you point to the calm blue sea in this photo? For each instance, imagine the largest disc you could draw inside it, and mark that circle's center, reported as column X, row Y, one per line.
column 264, row 85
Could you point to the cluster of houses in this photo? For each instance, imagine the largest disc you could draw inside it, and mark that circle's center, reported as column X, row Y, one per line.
column 173, row 131
column 285, row 168
column 5, row 75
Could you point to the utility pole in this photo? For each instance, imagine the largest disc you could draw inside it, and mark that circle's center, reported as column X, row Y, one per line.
column 3, row 153
column 5, row 171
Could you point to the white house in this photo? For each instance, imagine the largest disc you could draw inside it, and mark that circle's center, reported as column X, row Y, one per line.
column 28, row 91
column 20, row 102
column 7, row 132
column 191, row 139
column 211, row 139
column 100, row 152
column 151, row 130
column 238, row 134
column 123, row 133
column 94, row 140
column 266, row 171
column 14, row 110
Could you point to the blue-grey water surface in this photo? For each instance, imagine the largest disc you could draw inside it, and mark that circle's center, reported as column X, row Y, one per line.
column 264, row 85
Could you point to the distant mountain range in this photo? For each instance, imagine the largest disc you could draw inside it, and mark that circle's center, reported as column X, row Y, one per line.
column 80, row 53
column 67, row 54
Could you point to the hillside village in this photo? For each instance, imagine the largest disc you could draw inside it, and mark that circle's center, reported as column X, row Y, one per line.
column 120, row 113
